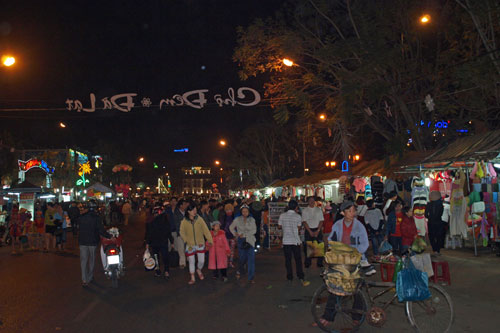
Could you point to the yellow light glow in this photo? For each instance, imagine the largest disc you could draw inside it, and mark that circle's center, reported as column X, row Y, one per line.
column 333, row 163
column 8, row 60
column 287, row 62
column 322, row 116
column 222, row 142
column 62, row 125
column 425, row 19
column 217, row 162
column 141, row 159
column 327, row 163
column 357, row 157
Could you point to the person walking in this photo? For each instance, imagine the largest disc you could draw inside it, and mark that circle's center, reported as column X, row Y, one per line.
column 126, row 211
column 290, row 222
column 73, row 214
column 15, row 229
column 158, row 236
column 179, row 215
column 205, row 213
column 226, row 219
column 194, row 233
column 433, row 213
column 91, row 228
column 244, row 228
column 50, row 228
column 219, row 252
column 312, row 217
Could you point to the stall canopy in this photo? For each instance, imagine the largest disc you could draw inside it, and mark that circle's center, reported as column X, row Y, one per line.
column 485, row 146
column 25, row 187
column 98, row 187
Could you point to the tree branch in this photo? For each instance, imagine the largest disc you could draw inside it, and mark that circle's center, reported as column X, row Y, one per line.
column 328, row 19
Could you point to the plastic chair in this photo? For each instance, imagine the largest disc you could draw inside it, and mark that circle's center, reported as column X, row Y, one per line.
column 387, row 271
column 445, row 272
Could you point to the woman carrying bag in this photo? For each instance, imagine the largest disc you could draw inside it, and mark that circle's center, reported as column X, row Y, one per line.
column 194, row 232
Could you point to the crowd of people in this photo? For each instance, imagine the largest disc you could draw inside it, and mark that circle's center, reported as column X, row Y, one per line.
column 227, row 233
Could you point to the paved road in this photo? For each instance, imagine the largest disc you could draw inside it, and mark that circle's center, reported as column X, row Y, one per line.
column 42, row 292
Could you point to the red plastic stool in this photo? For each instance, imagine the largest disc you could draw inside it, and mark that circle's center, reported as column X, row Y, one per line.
column 445, row 272
column 387, row 271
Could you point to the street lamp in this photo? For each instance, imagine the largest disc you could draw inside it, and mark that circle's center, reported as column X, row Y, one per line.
column 8, row 60
column 62, row 125
column 217, row 162
column 222, row 142
column 287, row 62
column 357, row 157
column 322, row 117
column 424, row 19
column 141, row 159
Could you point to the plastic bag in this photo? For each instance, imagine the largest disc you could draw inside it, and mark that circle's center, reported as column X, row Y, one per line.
column 412, row 284
column 385, row 247
column 419, row 245
column 315, row 249
column 149, row 262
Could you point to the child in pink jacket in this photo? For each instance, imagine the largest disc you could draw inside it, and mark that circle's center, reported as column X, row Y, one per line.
column 218, row 252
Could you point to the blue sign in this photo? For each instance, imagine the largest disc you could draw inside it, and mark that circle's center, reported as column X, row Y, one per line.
column 183, row 150
column 345, row 166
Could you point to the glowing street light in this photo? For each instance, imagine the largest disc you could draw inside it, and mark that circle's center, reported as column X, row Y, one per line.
column 357, row 157
column 333, row 163
column 287, row 62
column 62, row 125
column 327, row 163
column 217, row 162
column 8, row 60
column 141, row 159
column 424, row 19
column 322, row 117
column 222, row 142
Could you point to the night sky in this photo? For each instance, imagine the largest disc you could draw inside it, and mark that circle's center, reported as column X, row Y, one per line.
column 68, row 49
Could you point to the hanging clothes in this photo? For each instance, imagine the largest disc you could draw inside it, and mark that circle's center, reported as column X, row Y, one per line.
column 458, row 208
column 421, row 225
column 419, row 196
column 390, row 185
column 359, row 184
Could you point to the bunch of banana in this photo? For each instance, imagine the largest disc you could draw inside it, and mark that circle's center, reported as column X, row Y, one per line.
column 339, row 247
column 340, row 253
column 344, row 279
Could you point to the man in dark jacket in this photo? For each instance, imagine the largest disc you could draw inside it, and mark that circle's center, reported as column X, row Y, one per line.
column 74, row 214
column 91, row 228
column 158, row 235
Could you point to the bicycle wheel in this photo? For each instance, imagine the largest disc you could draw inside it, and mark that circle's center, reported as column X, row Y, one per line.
column 344, row 313
column 434, row 314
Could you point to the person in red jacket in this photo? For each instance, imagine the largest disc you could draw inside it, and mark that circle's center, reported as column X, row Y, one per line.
column 408, row 229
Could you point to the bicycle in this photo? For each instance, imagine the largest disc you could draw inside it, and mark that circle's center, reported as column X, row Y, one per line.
column 434, row 314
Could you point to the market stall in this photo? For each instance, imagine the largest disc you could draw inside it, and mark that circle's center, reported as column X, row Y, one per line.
column 465, row 173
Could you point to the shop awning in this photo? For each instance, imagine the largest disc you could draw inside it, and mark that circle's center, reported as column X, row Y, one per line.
column 484, row 146
column 98, row 187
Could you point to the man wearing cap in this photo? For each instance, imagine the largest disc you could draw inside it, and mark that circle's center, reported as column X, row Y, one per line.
column 350, row 231
column 312, row 218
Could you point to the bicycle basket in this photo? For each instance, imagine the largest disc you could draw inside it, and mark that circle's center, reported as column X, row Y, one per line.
column 341, row 280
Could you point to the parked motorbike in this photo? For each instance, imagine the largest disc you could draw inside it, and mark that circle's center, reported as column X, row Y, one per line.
column 112, row 256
